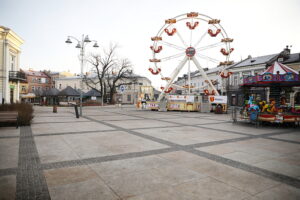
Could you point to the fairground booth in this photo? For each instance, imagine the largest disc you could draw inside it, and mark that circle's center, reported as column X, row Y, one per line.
column 282, row 98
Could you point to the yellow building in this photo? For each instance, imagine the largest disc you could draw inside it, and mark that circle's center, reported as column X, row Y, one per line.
column 10, row 75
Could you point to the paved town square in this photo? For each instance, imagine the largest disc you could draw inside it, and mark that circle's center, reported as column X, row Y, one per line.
column 125, row 153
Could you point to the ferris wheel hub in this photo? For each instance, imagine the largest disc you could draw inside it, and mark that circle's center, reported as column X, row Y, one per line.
column 190, row 52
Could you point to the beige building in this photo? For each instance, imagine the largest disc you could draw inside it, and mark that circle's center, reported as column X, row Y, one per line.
column 10, row 75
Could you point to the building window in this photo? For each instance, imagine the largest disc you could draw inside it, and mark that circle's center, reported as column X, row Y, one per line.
column 246, row 74
column 12, row 62
column 235, row 79
column 32, row 88
column 39, row 80
column 129, row 97
column 59, row 86
column 47, row 88
column 23, row 88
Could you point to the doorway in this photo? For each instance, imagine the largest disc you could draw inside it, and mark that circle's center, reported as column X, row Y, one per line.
column 11, row 95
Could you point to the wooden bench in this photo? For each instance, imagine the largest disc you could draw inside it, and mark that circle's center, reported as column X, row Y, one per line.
column 9, row 116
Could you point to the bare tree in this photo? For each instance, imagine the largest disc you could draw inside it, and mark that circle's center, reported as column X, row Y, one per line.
column 118, row 75
column 107, row 70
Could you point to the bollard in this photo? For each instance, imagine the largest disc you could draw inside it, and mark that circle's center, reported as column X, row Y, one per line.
column 76, row 111
column 54, row 109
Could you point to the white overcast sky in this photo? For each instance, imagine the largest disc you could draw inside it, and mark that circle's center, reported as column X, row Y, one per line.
column 259, row 27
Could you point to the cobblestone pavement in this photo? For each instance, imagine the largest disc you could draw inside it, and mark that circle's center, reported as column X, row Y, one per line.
column 124, row 153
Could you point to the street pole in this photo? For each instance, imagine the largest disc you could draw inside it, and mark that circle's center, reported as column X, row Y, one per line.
column 81, row 74
column 102, row 95
column 81, row 45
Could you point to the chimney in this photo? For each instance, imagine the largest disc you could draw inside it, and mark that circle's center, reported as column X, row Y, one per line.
column 287, row 51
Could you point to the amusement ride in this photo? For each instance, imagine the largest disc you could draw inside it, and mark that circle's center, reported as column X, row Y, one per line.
column 186, row 41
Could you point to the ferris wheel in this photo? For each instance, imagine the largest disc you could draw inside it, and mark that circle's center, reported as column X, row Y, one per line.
column 191, row 40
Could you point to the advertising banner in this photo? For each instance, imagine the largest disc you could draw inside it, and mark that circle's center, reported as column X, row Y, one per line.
column 218, row 99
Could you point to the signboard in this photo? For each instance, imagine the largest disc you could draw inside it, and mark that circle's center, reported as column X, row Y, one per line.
column 174, row 106
column 177, row 97
column 218, row 99
column 94, row 98
column 152, row 105
column 122, row 88
column 190, row 99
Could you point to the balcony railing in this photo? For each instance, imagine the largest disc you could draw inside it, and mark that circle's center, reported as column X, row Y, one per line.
column 17, row 76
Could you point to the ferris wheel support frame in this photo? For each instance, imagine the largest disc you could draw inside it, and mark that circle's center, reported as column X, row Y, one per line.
column 204, row 75
column 174, row 75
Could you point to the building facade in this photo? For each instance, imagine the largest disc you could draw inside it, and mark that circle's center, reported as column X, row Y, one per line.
column 10, row 74
column 37, row 80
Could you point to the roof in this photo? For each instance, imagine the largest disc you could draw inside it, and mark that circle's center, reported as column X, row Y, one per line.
column 293, row 58
column 92, row 93
column 255, row 61
column 51, row 92
column 39, row 93
column 69, row 91
column 35, row 73
column 278, row 67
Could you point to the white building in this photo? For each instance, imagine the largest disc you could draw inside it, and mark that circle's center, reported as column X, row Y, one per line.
column 10, row 75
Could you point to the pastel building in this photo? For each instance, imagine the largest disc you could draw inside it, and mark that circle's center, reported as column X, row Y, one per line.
column 10, row 74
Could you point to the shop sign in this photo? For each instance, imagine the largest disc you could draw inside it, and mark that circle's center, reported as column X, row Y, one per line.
column 174, row 106
column 218, row 99
column 177, row 97
column 190, row 99
column 152, row 105
column 11, row 86
column 94, row 98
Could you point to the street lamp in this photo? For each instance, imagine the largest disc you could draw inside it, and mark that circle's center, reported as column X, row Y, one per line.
column 81, row 45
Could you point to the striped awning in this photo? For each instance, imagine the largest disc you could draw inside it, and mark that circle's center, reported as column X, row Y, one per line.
column 278, row 68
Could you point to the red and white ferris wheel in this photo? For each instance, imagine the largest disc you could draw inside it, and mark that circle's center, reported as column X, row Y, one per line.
column 195, row 41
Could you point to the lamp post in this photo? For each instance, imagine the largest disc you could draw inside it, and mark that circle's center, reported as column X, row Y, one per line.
column 81, row 45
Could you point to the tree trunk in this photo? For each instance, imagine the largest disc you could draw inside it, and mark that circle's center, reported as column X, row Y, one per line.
column 111, row 97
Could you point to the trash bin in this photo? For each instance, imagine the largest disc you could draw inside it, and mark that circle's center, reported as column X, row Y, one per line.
column 54, row 109
column 76, row 111
column 219, row 109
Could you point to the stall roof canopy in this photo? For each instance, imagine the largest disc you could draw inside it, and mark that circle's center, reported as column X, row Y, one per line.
column 52, row 92
column 92, row 93
column 279, row 68
column 276, row 75
column 39, row 93
column 69, row 91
